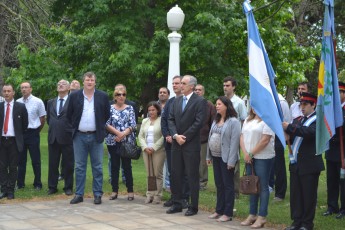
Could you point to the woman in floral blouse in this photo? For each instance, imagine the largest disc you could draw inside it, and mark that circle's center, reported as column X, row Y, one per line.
column 120, row 127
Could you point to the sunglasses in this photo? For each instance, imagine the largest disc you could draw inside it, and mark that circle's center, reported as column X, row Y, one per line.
column 120, row 94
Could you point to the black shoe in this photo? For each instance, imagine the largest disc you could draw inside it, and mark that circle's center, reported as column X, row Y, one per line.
column 174, row 209
column 51, row 191
column 68, row 192
column 10, row 196
column 340, row 215
column 292, row 227
column 191, row 211
column 20, row 187
column 97, row 200
column 77, row 199
column 3, row 195
column 328, row 213
column 303, row 228
column 168, row 203
column 38, row 188
column 184, row 204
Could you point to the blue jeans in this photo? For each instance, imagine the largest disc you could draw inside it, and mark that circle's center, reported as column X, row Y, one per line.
column 262, row 168
column 83, row 144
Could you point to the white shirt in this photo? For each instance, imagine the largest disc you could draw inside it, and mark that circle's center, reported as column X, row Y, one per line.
column 285, row 108
column 35, row 108
column 58, row 103
column 240, row 107
column 10, row 131
column 187, row 97
column 295, row 110
column 88, row 120
column 252, row 132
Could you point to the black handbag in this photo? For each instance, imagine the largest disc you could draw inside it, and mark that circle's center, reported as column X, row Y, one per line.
column 130, row 150
column 151, row 178
column 249, row 184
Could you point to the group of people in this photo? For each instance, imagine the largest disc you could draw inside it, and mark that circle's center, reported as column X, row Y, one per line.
column 186, row 133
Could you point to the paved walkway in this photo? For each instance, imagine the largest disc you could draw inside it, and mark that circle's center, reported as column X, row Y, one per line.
column 110, row 215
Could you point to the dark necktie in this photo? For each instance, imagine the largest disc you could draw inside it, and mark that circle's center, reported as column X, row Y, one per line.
column 60, row 106
column 7, row 117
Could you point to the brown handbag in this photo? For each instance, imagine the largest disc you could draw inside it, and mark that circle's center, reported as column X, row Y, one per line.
column 249, row 184
column 151, row 179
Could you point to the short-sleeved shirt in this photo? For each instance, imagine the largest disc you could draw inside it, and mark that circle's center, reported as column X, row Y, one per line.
column 121, row 120
column 35, row 108
column 252, row 132
column 240, row 107
column 295, row 110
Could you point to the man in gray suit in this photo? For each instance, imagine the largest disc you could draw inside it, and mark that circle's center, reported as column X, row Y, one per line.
column 186, row 118
column 60, row 142
column 13, row 123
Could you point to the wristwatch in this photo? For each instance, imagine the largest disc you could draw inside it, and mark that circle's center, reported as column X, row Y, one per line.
column 174, row 137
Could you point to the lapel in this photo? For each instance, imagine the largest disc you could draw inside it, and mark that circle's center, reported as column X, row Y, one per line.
column 54, row 105
column 64, row 108
column 225, row 126
column 2, row 111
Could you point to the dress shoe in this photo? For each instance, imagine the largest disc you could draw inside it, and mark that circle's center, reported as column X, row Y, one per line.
column 259, row 223
column 10, row 196
column 168, row 203
column 38, row 188
column 249, row 221
column 97, row 200
column 340, row 215
column 3, row 195
column 174, row 209
column 328, row 213
column 292, row 227
column 51, row 191
column 303, row 228
column 191, row 211
column 184, row 204
column 68, row 192
column 77, row 199
column 20, row 187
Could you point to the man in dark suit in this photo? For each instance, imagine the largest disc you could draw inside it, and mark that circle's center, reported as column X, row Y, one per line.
column 13, row 123
column 88, row 110
column 305, row 165
column 336, row 185
column 186, row 118
column 60, row 141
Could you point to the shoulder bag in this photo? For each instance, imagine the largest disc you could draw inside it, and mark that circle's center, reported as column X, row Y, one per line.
column 249, row 184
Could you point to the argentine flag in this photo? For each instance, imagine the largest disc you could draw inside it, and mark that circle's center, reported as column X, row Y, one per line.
column 263, row 94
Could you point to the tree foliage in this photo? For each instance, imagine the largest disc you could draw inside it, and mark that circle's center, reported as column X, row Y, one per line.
column 125, row 41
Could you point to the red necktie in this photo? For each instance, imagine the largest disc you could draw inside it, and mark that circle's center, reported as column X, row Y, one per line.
column 7, row 117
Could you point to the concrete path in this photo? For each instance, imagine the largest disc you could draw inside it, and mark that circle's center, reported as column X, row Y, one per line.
column 110, row 215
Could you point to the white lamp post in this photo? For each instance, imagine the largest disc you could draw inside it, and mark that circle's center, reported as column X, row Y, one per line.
column 175, row 18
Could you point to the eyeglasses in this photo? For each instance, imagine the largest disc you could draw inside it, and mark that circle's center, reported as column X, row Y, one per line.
column 120, row 94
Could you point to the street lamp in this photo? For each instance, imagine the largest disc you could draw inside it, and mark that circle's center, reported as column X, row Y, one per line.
column 175, row 18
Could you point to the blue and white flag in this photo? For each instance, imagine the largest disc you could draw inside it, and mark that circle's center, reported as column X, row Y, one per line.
column 263, row 94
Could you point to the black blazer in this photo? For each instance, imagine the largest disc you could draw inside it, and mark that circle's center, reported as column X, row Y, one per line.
column 60, row 129
column 188, row 122
column 102, row 111
column 307, row 161
column 20, row 122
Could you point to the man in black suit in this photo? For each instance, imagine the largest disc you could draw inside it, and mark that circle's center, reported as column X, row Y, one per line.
column 60, row 141
column 336, row 185
column 13, row 123
column 305, row 166
column 186, row 118
column 88, row 110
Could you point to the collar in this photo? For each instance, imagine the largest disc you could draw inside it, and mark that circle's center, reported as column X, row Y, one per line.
column 188, row 96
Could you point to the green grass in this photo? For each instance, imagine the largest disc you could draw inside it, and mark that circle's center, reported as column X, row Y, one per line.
column 278, row 213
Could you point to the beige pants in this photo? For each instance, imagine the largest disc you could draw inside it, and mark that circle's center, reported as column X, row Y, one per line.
column 203, row 169
column 158, row 159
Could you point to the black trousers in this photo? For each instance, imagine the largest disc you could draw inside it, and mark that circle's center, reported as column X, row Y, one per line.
column 185, row 162
column 56, row 151
column 116, row 159
column 280, row 170
column 31, row 143
column 185, row 190
column 8, row 164
column 335, row 187
column 303, row 198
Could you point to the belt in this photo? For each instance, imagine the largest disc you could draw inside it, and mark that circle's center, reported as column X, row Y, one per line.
column 7, row 137
column 87, row 132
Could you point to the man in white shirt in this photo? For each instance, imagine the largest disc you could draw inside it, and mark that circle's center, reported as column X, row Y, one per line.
column 37, row 113
column 295, row 108
column 229, row 86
